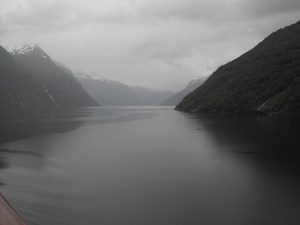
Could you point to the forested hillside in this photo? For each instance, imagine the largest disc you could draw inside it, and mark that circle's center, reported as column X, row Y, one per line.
column 266, row 79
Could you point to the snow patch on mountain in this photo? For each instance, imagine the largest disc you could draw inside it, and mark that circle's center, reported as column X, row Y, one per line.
column 20, row 49
column 26, row 49
column 136, row 87
column 50, row 96
column 96, row 77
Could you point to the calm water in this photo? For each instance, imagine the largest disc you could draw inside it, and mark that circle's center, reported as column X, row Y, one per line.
column 150, row 165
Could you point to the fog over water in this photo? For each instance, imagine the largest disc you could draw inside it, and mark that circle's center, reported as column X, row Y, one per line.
column 150, row 165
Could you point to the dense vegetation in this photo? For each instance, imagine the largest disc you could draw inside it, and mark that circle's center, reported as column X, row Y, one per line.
column 265, row 79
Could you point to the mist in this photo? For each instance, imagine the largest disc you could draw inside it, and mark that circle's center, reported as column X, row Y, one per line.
column 159, row 44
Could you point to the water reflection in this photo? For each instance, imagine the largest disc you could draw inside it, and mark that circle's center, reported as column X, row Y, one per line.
column 144, row 165
column 265, row 150
column 3, row 164
column 254, row 133
column 25, row 123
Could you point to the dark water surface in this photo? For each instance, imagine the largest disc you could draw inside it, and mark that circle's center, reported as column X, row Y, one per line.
column 150, row 165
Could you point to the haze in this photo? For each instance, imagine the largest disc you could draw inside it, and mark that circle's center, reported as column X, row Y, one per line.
column 160, row 44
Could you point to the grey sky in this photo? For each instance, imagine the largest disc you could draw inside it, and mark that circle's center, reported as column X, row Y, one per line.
column 161, row 44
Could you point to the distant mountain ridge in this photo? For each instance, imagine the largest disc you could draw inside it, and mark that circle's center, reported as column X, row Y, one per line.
column 265, row 79
column 107, row 92
column 150, row 96
column 94, row 77
column 176, row 98
column 62, row 88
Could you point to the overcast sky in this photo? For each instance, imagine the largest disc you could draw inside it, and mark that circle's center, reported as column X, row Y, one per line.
column 161, row 44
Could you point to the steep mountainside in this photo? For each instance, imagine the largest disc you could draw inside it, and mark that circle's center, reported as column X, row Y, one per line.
column 176, row 98
column 265, row 79
column 64, row 89
column 20, row 88
column 151, row 96
column 107, row 92
column 64, row 68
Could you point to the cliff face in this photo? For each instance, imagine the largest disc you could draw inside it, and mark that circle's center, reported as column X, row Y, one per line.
column 265, row 79
column 19, row 87
column 62, row 88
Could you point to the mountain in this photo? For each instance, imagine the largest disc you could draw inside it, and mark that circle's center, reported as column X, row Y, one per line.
column 63, row 88
column 107, row 92
column 265, row 79
column 19, row 87
column 151, row 96
column 176, row 98
column 64, row 68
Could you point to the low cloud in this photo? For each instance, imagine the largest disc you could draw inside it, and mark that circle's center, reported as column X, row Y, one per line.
column 268, row 8
column 159, row 42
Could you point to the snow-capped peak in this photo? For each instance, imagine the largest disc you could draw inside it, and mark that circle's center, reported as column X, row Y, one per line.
column 99, row 77
column 136, row 87
column 85, row 76
column 26, row 49
column 95, row 77
column 21, row 49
